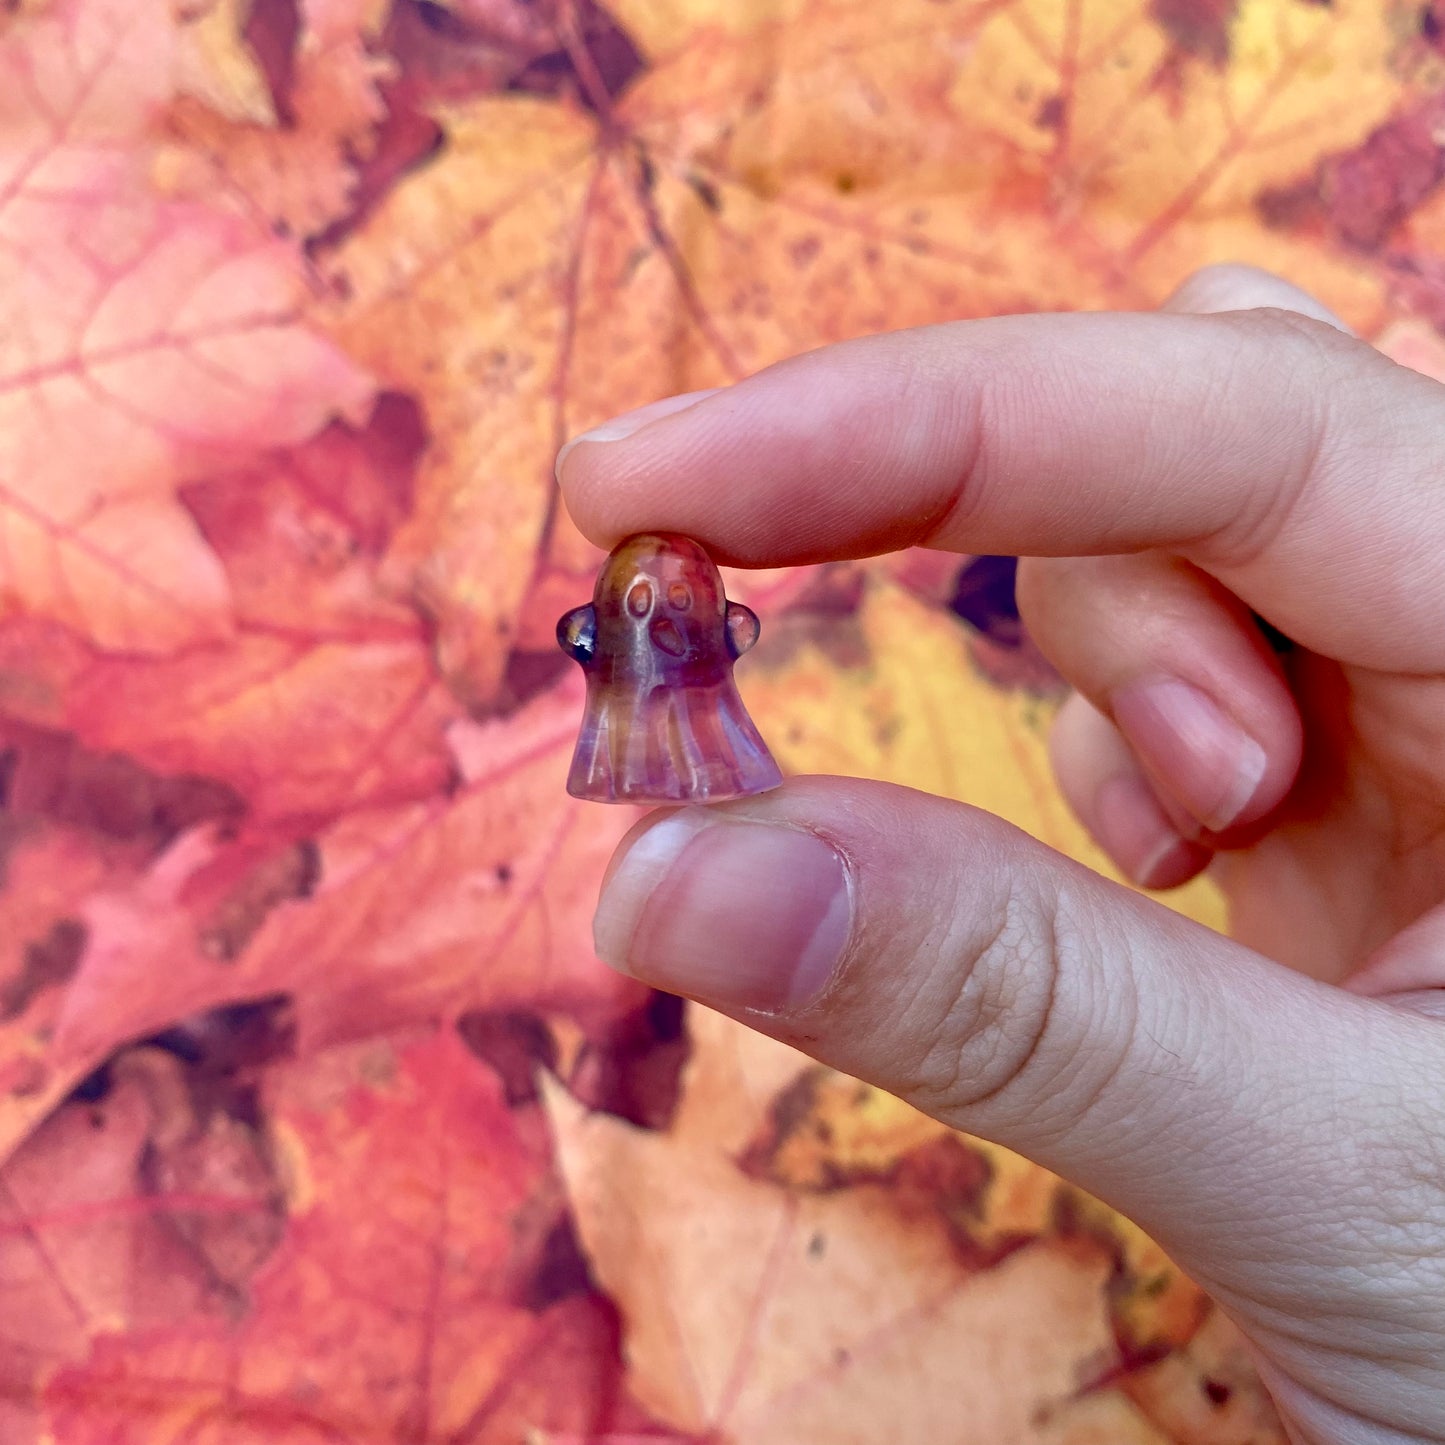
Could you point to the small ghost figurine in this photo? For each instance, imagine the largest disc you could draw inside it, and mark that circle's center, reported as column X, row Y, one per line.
column 664, row 722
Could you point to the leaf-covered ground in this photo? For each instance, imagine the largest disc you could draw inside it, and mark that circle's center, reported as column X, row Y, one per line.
column 319, row 1121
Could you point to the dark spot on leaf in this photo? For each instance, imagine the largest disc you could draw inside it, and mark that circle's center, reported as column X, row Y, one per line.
column 233, row 1040
column 1363, row 195
column 805, row 251
column 1050, row 115
column 504, row 873
column 527, row 675
column 232, row 921
column 1430, row 24
column 817, row 1247
column 46, row 962
column 949, row 1179
column 950, row 1173
column 791, row 1112
column 845, row 183
column 394, row 437
column 646, row 170
column 1198, row 27
column 514, row 1044
column 1217, row 1392
column 52, row 775
column 1285, row 208
column 442, row 21
column 706, row 192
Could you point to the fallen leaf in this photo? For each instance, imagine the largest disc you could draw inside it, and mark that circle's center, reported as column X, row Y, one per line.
column 417, row 1209
column 293, row 158
column 153, row 336
column 390, row 916
column 755, row 1314
column 1206, row 1393
column 496, row 225
column 297, row 301
column 106, row 1225
column 905, row 702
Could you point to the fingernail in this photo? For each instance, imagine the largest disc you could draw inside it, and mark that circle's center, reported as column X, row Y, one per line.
column 1205, row 760
column 633, row 421
column 732, row 912
column 1135, row 832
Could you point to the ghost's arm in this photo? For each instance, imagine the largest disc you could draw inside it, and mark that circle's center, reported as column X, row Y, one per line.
column 743, row 628
column 577, row 634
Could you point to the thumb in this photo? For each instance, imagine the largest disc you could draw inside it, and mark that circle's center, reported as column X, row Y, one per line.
column 1233, row 1108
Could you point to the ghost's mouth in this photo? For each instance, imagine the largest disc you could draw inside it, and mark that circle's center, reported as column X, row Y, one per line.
column 666, row 637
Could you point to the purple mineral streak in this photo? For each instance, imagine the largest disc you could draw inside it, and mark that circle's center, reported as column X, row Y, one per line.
column 664, row 722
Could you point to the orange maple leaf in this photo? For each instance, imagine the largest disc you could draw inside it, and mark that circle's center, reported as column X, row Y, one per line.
column 291, row 147
column 140, row 341
column 407, row 1299
column 324, row 697
column 124, row 1212
column 759, row 1315
column 283, row 719
column 466, row 899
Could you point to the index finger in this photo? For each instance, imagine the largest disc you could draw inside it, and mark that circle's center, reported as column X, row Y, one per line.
column 1296, row 464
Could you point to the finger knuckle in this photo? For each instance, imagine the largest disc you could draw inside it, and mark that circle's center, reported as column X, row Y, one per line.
column 1321, row 359
column 991, row 1035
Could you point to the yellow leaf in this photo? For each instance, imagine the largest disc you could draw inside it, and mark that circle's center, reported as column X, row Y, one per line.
column 912, row 708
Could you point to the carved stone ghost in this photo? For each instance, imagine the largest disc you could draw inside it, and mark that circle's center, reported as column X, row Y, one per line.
column 664, row 722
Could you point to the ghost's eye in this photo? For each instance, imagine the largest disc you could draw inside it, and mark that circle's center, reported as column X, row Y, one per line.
column 639, row 599
column 680, row 596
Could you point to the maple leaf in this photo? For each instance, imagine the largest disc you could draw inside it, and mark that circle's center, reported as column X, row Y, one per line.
column 284, row 726
column 879, row 694
column 126, row 1212
column 325, row 696
column 465, row 899
column 395, row 1306
column 759, row 1315
column 825, row 1132
column 865, row 182
column 291, row 149
column 138, row 339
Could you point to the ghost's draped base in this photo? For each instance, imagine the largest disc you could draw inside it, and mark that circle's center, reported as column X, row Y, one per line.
column 664, row 722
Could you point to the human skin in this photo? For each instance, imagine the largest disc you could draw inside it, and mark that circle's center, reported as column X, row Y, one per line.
column 1270, row 1106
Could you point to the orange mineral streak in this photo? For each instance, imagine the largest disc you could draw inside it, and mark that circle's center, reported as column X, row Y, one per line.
column 664, row 722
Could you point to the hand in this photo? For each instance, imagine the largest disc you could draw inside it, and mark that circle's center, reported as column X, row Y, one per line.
column 1168, row 477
